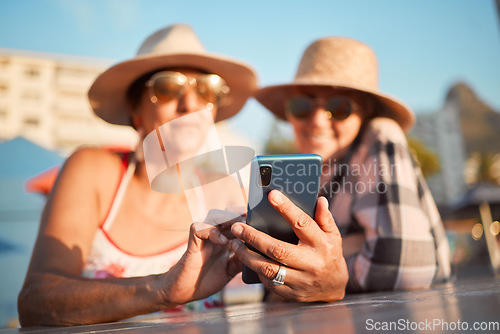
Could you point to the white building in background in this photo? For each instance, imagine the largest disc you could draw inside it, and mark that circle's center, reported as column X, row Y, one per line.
column 43, row 97
column 441, row 131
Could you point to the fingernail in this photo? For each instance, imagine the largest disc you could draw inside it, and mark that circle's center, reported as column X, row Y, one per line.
column 276, row 197
column 222, row 238
column 235, row 244
column 236, row 229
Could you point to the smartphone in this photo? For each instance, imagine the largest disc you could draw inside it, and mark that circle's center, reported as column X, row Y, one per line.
column 297, row 176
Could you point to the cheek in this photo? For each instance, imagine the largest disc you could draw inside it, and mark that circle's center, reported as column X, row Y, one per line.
column 146, row 120
column 298, row 129
column 155, row 115
column 143, row 114
column 351, row 130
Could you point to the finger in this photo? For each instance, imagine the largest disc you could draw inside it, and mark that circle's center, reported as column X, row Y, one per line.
column 217, row 237
column 234, row 266
column 227, row 232
column 324, row 218
column 204, row 231
column 196, row 236
column 306, row 229
column 277, row 250
column 290, row 292
column 265, row 268
column 217, row 217
column 223, row 220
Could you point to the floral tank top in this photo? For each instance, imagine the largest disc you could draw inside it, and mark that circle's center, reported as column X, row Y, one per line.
column 107, row 259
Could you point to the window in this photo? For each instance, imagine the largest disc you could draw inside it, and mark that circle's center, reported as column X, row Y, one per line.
column 72, row 72
column 32, row 73
column 31, row 121
column 3, row 89
column 4, row 63
column 31, row 96
column 73, row 96
column 3, row 115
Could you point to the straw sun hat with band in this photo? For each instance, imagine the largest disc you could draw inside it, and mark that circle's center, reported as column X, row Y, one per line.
column 173, row 46
column 343, row 64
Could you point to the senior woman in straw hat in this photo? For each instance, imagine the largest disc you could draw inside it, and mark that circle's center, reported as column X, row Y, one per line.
column 392, row 235
column 110, row 247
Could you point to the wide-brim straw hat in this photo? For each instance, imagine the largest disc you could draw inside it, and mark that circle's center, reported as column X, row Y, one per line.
column 344, row 64
column 173, row 46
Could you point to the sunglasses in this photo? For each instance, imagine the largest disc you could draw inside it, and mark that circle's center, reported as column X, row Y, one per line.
column 338, row 108
column 168, row 85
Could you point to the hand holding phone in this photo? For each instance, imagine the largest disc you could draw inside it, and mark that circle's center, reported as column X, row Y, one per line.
column 316, row 270
column 298, row 178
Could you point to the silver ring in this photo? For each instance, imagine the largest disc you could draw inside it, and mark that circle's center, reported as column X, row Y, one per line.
column 279, row 279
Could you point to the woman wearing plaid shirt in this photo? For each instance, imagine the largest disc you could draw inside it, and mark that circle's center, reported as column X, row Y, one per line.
column 385, row 233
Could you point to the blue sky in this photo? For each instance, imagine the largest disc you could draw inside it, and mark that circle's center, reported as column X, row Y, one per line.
column 423, row 46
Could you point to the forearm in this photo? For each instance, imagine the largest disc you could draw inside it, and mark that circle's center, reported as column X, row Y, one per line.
column 53, row 299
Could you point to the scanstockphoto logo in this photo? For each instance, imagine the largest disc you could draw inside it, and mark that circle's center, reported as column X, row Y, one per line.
column 431, row 325
column 179, row 156
column 303, row 178
column 295, row 177
column 371, row 177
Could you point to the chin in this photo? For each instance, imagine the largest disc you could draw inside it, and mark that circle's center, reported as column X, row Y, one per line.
column 325, row 154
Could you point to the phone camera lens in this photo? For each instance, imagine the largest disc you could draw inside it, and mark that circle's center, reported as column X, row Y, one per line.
column 265, row 175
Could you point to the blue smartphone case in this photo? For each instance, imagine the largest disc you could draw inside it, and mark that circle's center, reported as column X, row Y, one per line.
column 297, row 176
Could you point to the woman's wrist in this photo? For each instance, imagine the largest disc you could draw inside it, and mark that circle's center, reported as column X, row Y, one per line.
column 159, row 286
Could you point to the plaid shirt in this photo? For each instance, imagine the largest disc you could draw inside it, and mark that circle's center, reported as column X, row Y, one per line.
column 381, row 193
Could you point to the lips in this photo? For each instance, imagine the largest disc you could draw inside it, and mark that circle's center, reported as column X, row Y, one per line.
column 318, row 138
column 181, row 124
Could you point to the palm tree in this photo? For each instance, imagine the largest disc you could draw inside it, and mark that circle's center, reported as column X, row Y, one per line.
column 483, row 167
column 428, row 160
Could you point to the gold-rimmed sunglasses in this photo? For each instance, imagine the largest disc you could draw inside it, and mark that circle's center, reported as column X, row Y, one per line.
column 168, row 85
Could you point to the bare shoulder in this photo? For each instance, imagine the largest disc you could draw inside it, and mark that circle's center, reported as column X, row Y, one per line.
column 74, row 210
column 92, row 160
column 90, row 164
column 87, row 179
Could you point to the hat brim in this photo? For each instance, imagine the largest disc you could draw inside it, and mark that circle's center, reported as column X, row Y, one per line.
column 274, row 97
column 107, row 95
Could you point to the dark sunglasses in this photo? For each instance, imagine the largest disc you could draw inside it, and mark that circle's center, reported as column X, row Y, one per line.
column 168, row 85
column 338, row 108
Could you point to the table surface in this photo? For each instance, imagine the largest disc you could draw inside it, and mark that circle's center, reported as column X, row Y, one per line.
column 451, row 307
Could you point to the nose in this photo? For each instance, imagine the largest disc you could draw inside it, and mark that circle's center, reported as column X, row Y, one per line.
column 189, row 101
column 319, row 116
